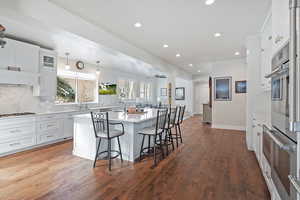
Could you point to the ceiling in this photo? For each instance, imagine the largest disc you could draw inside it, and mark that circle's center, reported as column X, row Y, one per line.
column 187, row 27
column 33, row 31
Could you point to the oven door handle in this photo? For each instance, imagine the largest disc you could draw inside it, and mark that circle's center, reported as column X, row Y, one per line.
column 282, row 146
column 277, row 71
column 295, row 183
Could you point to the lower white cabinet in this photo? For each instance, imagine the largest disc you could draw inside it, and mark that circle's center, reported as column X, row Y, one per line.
column 257, row 132
column 17, row 143
column 49, row 128
column 17, row 134
column 68, row 126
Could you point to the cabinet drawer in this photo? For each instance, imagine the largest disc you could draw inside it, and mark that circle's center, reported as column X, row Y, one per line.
column 49, row 117
column 17, row 144
column 16, row 132
column 50, row 136
column 48, row 125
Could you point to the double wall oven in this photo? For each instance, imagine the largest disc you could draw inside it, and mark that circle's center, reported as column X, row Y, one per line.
column 279, row 142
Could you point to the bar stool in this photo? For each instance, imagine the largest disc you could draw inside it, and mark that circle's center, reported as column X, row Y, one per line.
column 155, row 133
column 171, row 121
column 178, row 124
column 102, row 130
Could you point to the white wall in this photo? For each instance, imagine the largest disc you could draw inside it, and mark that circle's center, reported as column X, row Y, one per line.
column 188, row 101
column 230, row 114
column 201, row 96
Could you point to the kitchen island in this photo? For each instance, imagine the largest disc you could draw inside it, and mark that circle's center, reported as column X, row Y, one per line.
column 85, row 142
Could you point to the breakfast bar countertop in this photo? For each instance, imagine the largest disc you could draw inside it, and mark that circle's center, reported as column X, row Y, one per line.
column 122, row 116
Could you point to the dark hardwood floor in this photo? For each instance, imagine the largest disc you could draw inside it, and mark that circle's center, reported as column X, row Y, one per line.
column 212, row 164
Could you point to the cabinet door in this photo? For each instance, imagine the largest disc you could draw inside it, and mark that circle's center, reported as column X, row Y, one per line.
column 27, row 57
column 7, row 57
column 48, row 84
column 280, row 12
column 266, row 54
column 68, row 126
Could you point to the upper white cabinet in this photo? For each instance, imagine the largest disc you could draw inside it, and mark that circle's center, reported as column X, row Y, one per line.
column 20, row 54
column 26, row 57
column 48, row 73
column 280, row 23
column 7, row 57
column 266, row 53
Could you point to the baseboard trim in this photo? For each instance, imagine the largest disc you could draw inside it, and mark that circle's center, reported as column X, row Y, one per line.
column 229, row 127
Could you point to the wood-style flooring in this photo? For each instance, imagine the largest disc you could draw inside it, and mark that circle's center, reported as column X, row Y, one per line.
column 212, row 164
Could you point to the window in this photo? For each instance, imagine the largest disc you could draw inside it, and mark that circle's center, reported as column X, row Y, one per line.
column 129, row 89
column 76, row 88
column 145, row 91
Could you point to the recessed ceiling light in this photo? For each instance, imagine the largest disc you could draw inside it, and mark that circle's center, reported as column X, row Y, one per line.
column 199, row 71
column 237, row 53
column 138, row 25
column 178, row 55
column 166, row 46
column 217, row 34
column 191, row 65
column 209, row 2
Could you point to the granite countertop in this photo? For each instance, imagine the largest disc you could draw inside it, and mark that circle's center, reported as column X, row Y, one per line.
column 121, row 116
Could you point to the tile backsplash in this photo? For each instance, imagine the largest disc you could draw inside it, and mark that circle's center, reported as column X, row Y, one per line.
column 17, row 99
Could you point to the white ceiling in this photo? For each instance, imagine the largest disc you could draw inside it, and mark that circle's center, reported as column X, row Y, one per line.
column 29, row 30
column 188, row 27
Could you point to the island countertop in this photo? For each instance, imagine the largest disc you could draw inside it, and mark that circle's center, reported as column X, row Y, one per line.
column 121, row 116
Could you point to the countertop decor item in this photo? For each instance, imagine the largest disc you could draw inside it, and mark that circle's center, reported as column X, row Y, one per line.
column 80, row 65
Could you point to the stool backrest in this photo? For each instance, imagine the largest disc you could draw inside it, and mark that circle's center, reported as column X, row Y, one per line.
column 161, row 119
column 181, row 110
column 172, row 116
column 100, row 123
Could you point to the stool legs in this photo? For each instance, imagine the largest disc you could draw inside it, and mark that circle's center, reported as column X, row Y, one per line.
column 96, row 156
column 142, row 146
column 180, row 132
column 109, row 154
column 120, row 150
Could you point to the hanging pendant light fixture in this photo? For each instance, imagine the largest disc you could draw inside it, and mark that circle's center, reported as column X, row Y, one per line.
column 67, row 66
column 98, row 68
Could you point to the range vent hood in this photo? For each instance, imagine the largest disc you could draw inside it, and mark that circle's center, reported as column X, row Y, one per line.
column 9, row 77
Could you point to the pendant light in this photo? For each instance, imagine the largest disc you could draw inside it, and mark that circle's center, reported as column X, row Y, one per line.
column 98, row 68
column 67, row 66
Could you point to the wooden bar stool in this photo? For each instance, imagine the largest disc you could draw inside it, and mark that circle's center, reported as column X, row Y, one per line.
column 102, row 131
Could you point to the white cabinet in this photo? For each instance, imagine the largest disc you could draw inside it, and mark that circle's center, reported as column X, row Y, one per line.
column 48, row 75
column 257, row 139
column 280, row 23
column 266, row 54
column 7, row 57
column 68, row 126
column 47, row 85
column 27, row 57
column 16, row 134
column 20, row 54
column 49, row 128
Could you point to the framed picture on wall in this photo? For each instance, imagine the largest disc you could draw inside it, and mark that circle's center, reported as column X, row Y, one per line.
column 222, row 88
column 180, row 93
column 240, row 87
column 163, row 92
